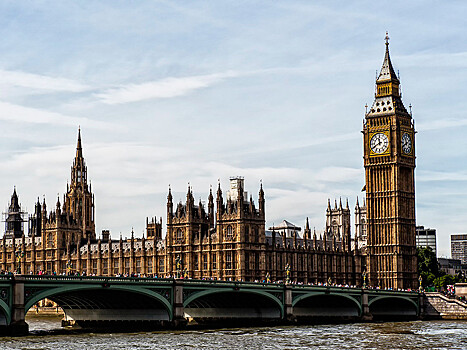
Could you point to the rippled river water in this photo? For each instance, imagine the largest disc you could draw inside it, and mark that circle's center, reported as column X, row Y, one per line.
column 394, row 335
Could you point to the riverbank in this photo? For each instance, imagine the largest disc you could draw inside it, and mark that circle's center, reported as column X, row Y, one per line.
column 45, row 311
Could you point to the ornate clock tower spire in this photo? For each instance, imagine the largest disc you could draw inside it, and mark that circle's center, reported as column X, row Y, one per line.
column 389, row 159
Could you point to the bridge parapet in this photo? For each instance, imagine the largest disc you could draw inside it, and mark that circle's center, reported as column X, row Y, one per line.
column 91, row 300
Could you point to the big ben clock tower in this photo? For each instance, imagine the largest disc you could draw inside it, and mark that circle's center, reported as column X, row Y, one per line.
column 389, row 159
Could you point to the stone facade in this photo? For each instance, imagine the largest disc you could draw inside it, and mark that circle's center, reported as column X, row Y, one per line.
column 227, row 240
column 389, row 160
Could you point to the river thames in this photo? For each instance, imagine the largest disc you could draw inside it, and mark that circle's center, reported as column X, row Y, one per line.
column 46, row 334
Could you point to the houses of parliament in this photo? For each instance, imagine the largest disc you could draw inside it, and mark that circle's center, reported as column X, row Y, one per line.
column 227, row 239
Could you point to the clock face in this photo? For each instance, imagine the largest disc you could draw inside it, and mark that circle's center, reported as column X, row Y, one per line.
column 406, row 143
column 379, row 143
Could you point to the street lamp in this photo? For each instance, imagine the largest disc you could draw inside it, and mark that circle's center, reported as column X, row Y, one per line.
column 69, row 266
column 420, row 280
column 287, row 273
column 178, row 265
column 19, row 254
column 364, row 279
column 268, row 278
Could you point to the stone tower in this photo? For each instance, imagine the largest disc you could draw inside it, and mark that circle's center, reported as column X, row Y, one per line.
column 361, row 237
column 338, row 223
column 389, row 160
column 14, row 218
column 79, row 200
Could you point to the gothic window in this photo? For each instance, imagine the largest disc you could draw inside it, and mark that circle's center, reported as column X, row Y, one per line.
column 247, row 233
column 229, row 232
column 247, row 261
column 179, row 235
column 196, row 262
column 214, row 262
column 205, row 261
column 50, row 240
column 161, row 265
column 256, row 234
column 257, row 261
column 228, row 260
column 150, row 265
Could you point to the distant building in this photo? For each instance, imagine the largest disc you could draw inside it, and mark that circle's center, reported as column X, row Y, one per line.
column 459, row 247
column 287, row 228
column 452, row 266
column 426, row 238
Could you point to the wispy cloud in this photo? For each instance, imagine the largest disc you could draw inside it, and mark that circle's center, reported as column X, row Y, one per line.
column 40, row 82
column 20, row 114
column 441, row 124
column 444, row 176
column 165, row 88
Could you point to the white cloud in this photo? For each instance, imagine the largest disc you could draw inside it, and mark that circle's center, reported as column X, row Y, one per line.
column 165, row 88
column 40, row 82
column 19, row 114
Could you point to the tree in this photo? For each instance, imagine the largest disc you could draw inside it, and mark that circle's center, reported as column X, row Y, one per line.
column 428, row 266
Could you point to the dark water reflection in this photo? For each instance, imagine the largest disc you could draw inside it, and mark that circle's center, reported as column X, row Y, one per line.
column 394, row 335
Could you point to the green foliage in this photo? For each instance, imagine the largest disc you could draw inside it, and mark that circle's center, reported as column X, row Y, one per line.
column 428, row 266
column 443, row 281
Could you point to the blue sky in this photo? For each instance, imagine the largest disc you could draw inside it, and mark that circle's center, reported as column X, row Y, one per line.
column 171, row 92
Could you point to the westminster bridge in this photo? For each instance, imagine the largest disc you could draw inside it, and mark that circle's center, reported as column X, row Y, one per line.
column 157, row 302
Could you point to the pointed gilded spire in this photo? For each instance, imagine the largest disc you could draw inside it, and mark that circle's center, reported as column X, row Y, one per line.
column 307, row 225
column 387, row 72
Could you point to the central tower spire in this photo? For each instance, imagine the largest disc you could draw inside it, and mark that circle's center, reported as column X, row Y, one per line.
column 79, row 149
column 79, row 198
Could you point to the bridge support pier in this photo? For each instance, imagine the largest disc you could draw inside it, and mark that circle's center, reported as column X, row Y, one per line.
column 289, row 317
column 179, row 320
column 18, row 325
column 366, row 315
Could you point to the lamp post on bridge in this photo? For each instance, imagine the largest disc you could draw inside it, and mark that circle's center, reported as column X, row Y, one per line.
column 268, row 278
column 69, row 266
column 19, row 254
column 178, row 266
column 420, row 280
column 287, row 273
column 364, row 279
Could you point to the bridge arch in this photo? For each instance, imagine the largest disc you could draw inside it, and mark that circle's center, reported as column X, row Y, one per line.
column 97, row 303
column 231, row 304
column 5, row 315
column 326, row 305
column 385, row 306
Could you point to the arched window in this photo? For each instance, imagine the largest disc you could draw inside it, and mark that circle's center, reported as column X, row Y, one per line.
column 229, row 232
column 179, row 234
column 50, row 240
